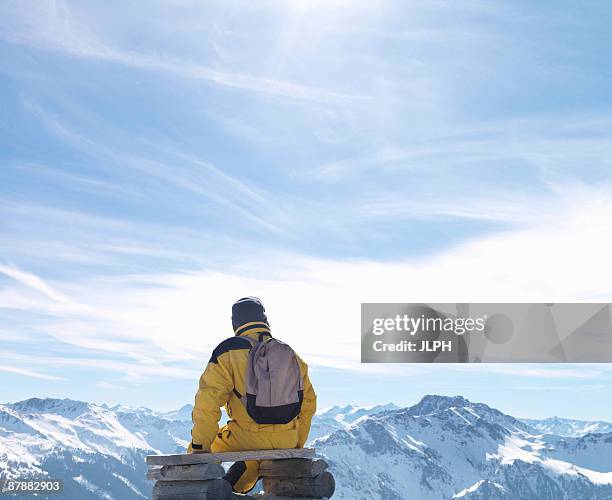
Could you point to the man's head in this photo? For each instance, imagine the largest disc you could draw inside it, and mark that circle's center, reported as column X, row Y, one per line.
column 248, row 310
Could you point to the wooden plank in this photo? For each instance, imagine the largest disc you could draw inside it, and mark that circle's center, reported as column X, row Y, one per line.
column 216, row 489
column 295, row 467
column 231, row 456
column 322, row 486
column 195, row 472
column 263, row 496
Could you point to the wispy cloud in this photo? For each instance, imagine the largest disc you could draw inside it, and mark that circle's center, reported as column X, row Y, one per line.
column 505, row 208
column 29, row 373
column 181, row 170
column 109, row 244
column 561, row 372
column 72, row 180
column 184, row 315
column 109, row 385
column 581, row 388
column 52, row 26
column 543, row 143
column 136, row 371
column 34, row 282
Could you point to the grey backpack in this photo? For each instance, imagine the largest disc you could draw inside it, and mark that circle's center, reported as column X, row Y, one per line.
column 273, row 382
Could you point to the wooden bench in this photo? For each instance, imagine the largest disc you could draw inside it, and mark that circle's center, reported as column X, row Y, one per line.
column 287, row 474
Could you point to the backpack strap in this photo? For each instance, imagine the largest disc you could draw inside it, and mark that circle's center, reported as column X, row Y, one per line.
column 253, row 342
column 261, row 337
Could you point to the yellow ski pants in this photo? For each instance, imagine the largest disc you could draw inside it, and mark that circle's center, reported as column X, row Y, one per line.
column 231, row 437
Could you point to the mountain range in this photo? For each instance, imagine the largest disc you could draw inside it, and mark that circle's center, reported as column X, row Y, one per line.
column 568, row 427
column 448, row 447
column 440, row 448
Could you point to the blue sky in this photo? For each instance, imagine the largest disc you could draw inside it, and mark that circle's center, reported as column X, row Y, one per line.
column 158, row 163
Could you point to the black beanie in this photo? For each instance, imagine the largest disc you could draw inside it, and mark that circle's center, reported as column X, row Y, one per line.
column 248, row 310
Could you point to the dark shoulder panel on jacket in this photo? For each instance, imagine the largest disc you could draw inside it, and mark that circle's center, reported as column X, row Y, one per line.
column 231, row 344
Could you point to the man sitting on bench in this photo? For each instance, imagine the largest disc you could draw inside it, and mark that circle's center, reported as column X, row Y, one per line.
column 265, row 389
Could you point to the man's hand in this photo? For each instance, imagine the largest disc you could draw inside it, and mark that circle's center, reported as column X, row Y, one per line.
column 198, row 449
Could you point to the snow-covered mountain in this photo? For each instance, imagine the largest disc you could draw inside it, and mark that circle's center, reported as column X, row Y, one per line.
column 335, row 418
column 183, row 413
column 97, row 450
column 440, row 448
column 325, row 421
column 568, row 427
column 449, row 447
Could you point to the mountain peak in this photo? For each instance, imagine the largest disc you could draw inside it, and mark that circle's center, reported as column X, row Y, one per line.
column 183, row 413
column 39, row 405
column 433, row 403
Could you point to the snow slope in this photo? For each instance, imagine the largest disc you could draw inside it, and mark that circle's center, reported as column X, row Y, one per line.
column 98, row 451
column 449, row 447
column 438, row 449
column 335, row 418
column 567, row 427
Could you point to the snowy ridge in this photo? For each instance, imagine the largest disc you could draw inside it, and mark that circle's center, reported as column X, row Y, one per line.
column 98, row 450
column 481, row 488
column 449, row 447
column 441, row 448
column 329, row 420
column 567, row 427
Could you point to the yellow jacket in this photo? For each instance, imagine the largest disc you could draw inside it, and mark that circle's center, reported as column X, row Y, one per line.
column 224, row 373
